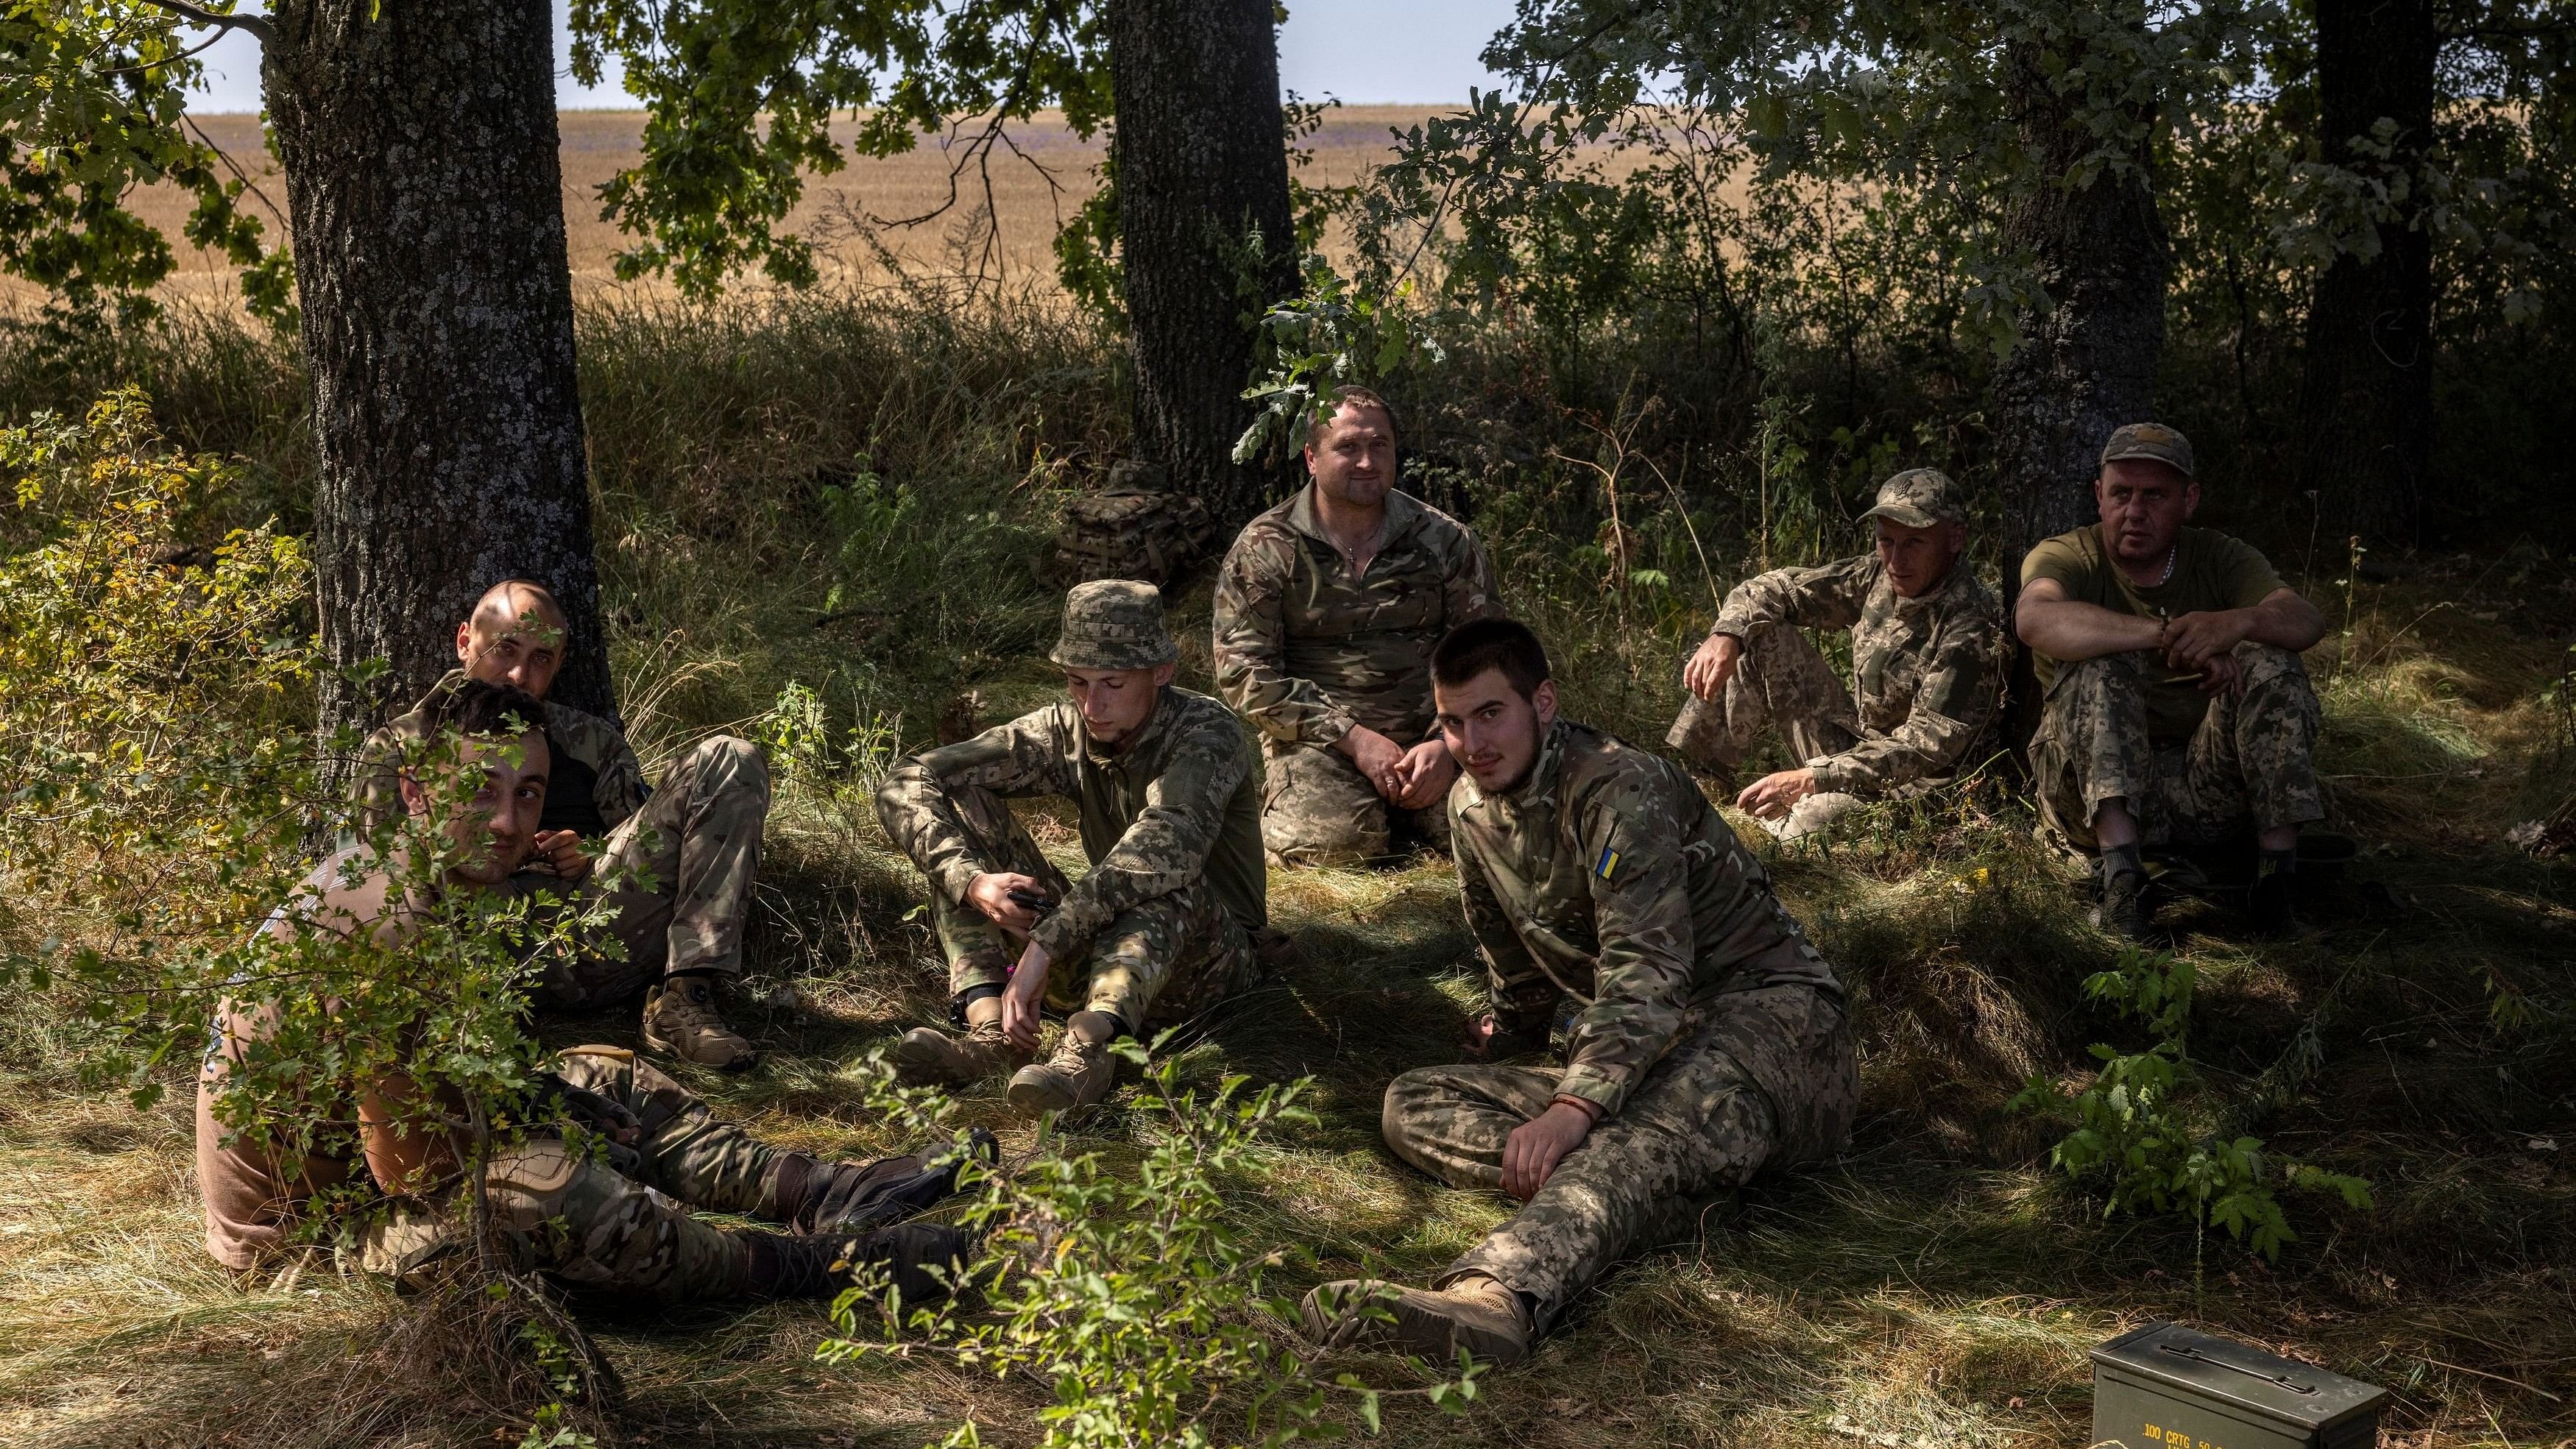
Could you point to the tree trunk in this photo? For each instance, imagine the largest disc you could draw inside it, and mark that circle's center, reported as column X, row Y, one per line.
column 2367, row 398
column 424, row 187
column 1202, row 168
column 2086, row 362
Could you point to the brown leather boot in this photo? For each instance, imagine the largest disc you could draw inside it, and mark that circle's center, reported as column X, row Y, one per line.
column 680, row 1018
column 1476, row 1313
column 927, row 1056
column 1079, row 1074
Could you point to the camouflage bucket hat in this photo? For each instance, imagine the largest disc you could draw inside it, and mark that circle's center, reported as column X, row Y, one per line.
column 1920, row 498
column 1114, row 624
column 2149, row 440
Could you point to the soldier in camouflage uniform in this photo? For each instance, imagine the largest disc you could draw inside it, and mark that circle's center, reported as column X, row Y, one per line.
column 1710, row 1043
column 1162, row 926
column 1326, row 610
column 1928, row 660
column 592, row 1194
column 2177, row 710
column 697, row 837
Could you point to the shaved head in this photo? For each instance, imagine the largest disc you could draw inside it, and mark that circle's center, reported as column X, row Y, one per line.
column 514, row 637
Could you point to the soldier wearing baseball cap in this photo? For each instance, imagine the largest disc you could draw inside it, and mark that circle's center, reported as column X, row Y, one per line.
column 2177, row 711
column 1162, row 925
column 1927, row 665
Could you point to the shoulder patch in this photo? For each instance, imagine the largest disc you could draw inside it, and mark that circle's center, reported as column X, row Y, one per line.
column 1605, row 866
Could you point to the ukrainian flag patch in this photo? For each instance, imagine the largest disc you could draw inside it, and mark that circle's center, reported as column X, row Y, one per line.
column 1607, row 866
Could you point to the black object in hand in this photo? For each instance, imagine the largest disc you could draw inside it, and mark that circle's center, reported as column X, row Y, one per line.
column 1028, row 899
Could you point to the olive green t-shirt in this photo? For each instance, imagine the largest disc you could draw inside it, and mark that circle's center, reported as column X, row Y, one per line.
column 2210, row 571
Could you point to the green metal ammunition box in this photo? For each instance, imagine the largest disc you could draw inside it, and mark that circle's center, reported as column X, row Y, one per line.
column 2165, row 1387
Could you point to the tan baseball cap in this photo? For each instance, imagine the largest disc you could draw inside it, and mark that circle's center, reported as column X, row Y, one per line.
column 1920, row 498
column 1114, row 624
column 2149, row 440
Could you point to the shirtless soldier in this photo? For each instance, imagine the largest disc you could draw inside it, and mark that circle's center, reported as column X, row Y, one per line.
column 1710, row 1045
column 697, row 836
column 2177, row 710
column 1162, row 926
column 614, row 1225
column 1326, row 610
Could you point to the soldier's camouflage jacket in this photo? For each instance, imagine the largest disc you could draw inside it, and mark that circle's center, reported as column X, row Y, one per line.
column 1607, row 877
column 1927, row 674
column 587, row 745
column 1177, row 803
column 1305, row 651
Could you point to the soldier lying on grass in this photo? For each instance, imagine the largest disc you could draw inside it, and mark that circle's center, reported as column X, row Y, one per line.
column 2177, row 710
column 1161, row 928
column 1326, row 610
column 697, row 836
column 1927, row 668
column 613, row 1219
column 1711, row 1043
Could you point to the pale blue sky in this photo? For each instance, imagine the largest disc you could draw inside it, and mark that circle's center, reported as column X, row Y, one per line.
column 1363, row 51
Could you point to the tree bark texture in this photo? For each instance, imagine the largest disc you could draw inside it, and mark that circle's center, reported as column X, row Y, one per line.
column 425, row 192
column 2367, row 397
column 1202, row 168
column 2086, row 362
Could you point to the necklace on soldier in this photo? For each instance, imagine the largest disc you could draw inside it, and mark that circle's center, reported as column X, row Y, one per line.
column 2170, row 554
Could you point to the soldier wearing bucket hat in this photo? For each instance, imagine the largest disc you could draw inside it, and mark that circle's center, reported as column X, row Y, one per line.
column 2177, row 711
column 1927, row 668
column 1161, row 927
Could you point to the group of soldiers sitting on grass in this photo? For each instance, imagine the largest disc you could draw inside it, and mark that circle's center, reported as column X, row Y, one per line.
column 1358, row 631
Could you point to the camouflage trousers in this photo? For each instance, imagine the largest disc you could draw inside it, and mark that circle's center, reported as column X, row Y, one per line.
column 1782, row 683
column 1160, row 962
column 622, row 1229
column 1762, row 1079
column 2250, row 764
column 698, row 839
column 1318, row 809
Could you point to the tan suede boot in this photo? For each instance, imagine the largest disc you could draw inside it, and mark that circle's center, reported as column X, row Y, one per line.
column 927, row 1056
column 1476, row 1314
column 1079, row 1074
column 680, row 1017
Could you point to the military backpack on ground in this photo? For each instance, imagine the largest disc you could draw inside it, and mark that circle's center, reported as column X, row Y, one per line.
column 1136, row 528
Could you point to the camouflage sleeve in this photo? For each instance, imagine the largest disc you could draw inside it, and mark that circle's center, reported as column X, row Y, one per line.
column 1469, row 593
column 1522, row 994
column 1828, row 597
column 1961, row 691
column 621, row 790
column 1011, row 760
column 1630, row 836
column 1167, row 845
column 1252, row 648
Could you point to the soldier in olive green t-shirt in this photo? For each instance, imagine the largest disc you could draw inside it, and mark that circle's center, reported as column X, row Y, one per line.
column 2177, row 711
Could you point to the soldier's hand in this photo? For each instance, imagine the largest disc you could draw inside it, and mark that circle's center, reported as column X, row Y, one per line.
column 990, row 893
column 1770, row 797
column 1376, row 756
column 2194, row 639
column 2222, row 675
column 559, row 853
column 1024, row 996
column 1423, row 776
column 1714, row 664
column 1531, row 1153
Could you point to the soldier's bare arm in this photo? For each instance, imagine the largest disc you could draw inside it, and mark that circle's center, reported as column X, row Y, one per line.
column 2283, row 620
column 2072, row 630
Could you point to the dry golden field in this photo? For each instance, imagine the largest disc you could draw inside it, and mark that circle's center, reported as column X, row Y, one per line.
column 1029, row 196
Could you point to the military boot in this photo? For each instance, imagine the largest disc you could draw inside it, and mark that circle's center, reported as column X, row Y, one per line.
column 1079, row 1074
column 1476, row 1313
column 680, row 1018
column 925, row 1261
column 2123, row 911
column 927, row 1056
